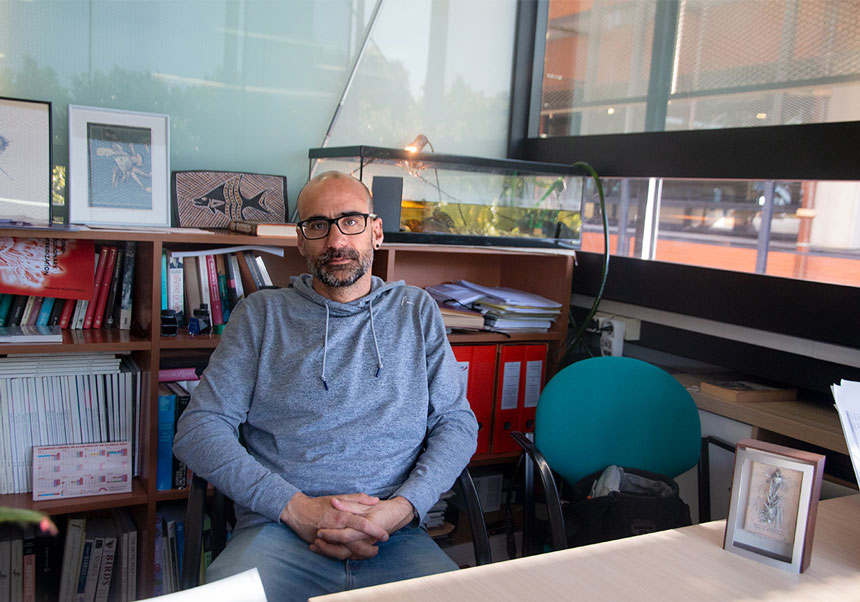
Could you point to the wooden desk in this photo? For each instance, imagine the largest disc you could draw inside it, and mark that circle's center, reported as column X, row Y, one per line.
column 682, row 564
column 811, row 423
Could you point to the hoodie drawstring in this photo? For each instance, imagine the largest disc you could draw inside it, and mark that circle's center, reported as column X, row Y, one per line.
column 375, row 344
column 325, row 345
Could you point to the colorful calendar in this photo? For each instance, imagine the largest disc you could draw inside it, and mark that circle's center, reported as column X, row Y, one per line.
column 64, row 471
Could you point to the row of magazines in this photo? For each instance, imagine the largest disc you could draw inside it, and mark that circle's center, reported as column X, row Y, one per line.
column 468, row 306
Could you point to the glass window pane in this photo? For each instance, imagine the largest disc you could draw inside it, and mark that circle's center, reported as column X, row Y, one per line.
column 732, row 63
column 792, row 229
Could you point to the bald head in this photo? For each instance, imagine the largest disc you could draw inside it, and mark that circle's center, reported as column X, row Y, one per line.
column 332, row 183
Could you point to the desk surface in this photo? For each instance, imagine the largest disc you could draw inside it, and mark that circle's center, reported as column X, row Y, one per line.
column 681, row 564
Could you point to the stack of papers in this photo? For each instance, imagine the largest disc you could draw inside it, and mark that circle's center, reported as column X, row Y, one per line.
column 503, row 309
column 436, row 514
column 847, row 397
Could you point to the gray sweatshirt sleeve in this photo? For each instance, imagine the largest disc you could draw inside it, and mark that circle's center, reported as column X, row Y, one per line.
column 452, row 430
column 207, row 434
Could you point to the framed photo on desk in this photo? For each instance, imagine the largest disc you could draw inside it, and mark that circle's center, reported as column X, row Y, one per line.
column 775, row 491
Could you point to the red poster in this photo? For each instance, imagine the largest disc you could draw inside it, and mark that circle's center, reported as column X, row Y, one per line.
column 48, row 267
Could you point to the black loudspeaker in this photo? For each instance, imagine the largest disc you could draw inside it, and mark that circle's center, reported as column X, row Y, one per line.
column 387, row 193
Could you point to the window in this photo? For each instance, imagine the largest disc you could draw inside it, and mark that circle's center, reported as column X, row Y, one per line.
column 634, row 66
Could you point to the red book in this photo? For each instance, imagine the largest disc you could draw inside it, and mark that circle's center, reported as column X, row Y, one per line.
column 214, row 291
column 47, row 267
column 100, row 272
column 104, row 289
column 166, row 375
column 68, row 310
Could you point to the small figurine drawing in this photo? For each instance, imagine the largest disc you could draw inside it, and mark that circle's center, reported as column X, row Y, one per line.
column 771, row 511
column 127, row 164
column 4, row 144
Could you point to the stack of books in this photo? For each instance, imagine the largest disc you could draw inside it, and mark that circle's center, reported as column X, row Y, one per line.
column 78, row 286
column 501, row 309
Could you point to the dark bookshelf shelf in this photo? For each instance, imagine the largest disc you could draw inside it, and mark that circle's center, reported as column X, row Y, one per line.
column 187, row 341
column 137, row 497
column 171, row 494
column 98, row 339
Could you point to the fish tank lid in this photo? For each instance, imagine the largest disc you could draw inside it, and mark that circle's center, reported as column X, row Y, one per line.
column 458, row 161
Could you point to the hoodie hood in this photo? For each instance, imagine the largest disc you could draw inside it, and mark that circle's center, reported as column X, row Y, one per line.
column 304, row 286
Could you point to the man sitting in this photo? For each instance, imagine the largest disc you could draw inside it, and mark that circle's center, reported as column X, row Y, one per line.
column 355, row 418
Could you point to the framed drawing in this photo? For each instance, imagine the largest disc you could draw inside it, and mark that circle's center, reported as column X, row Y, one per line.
column 118, row 167
column 25, row 160
column 775, row 491
column 211, row 199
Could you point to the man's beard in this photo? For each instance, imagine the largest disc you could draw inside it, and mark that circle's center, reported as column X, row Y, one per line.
column 344, row 274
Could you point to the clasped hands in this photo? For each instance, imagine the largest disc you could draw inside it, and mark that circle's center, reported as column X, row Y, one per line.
column 345, row 526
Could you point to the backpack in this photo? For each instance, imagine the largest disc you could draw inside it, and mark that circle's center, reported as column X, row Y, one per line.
column 620, row 502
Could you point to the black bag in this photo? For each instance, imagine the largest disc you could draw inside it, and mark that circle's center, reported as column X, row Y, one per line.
column 632, row 510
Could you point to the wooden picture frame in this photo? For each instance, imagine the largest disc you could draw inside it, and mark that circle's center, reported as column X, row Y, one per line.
column 775, row 491
column 119, row 167
column 25, row 161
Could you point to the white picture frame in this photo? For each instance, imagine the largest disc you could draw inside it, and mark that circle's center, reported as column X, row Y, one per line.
column 775, row 491
column 25, row 160
column 119, row 167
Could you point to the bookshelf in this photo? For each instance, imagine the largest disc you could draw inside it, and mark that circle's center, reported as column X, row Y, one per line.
column 545, row 273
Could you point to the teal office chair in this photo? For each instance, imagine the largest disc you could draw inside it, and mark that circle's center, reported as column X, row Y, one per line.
column 610, row 410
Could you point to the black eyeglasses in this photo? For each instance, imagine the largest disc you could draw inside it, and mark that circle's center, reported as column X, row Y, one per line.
column 349, row 224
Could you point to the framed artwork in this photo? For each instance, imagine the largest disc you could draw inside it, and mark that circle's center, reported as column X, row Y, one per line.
column 118, row 167
column 775, row 491
column 25, row 160
column 211, row 199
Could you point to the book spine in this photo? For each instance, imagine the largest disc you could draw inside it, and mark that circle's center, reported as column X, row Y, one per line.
column 214, row 293
column 204, row 284
column 125, row 303
column 168, row 375
column 31, row 312
column 57, row 312
column 222, row 287
column 16, row 310
column 180, row 470
column 236, row 275
column 104, row 290
column 83, row 570
column 113, row 290
column 164, row 460
column 28, row 308
column 176, row 287
column 100, row 271
column 29, row 565
column 253, row 269
column 164, row 279
column 45, row 311
column 243, row 227
column 106, row 570
column 5, row 304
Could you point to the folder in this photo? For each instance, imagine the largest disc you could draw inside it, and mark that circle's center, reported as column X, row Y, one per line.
column 521, row 373
column 478, row 370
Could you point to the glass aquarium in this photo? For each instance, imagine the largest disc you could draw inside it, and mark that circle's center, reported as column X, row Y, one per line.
column 438, row 198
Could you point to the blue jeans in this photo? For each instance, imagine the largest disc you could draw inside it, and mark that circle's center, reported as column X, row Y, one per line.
column 290, row 571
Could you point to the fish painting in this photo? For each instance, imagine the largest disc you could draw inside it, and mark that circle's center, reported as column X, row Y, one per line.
column 227, row 198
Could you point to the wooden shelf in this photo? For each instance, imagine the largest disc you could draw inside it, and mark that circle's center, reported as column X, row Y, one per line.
column 84, row 341
column 136, row 497
column 183, row 340
column 545, row 272
column 808, row 422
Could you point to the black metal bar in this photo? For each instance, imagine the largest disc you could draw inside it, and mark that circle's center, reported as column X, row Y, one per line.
column 764, row 229
column 662, row 56
column 465, row 486
column 527, row 72
column 818, row 151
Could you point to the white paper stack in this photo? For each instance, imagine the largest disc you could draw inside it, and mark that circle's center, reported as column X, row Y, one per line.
column 847, row 397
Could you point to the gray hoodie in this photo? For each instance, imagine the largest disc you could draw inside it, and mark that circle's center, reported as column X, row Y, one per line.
column 335, row 398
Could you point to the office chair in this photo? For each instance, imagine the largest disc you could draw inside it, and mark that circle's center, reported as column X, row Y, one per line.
column 222, row 506
column 604, row 411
